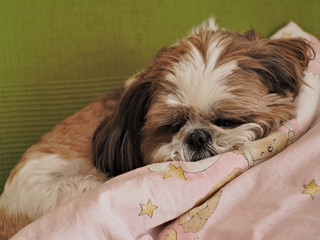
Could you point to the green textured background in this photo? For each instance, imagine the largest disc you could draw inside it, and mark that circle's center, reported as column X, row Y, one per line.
column 57, row 55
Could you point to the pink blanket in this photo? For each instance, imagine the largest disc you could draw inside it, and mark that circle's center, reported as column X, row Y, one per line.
column 236, row 195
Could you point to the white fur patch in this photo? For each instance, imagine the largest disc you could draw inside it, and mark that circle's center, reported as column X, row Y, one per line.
column 199, row 82
column 172, row 100
column 208, row 25
column 44, row 183
column 233, row 138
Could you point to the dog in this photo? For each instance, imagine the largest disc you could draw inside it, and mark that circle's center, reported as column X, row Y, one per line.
column 211, row 92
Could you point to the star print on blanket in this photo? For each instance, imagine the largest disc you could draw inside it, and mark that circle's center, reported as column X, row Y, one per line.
column 235, row 195
column 312, row 188
column 147, row 209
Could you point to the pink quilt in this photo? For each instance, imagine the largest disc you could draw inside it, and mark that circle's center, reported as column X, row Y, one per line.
column 236, row 195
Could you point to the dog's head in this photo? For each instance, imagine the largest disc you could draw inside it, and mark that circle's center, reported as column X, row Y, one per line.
column 209, row 93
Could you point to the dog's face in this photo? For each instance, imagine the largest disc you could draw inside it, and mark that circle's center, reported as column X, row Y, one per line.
column 209, row 93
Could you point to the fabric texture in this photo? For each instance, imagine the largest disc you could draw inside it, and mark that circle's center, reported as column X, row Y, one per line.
column 56, row 56
column 235, row 195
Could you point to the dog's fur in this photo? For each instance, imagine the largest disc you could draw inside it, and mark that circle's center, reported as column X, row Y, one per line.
column 211, row 92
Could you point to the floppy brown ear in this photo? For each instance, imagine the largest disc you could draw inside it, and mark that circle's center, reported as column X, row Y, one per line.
column 116, row 141
column 280, row 64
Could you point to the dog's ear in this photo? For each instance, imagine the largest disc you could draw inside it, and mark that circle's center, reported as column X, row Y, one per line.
column 280, row 63
column 116, row 141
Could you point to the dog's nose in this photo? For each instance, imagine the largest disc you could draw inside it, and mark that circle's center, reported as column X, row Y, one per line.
column 198, row 138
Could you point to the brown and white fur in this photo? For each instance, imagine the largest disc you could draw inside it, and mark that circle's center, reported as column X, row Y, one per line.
column 209, row 93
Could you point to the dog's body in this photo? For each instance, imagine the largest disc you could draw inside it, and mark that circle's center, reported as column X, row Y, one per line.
column 56, row 169
column 209, row 93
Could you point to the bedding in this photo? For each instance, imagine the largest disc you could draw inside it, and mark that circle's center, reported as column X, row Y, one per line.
column 235, row 195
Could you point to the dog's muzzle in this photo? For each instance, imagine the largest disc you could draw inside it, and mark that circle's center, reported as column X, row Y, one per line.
column 198, row 142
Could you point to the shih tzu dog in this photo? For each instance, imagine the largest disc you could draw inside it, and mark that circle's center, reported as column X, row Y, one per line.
column 209, row 93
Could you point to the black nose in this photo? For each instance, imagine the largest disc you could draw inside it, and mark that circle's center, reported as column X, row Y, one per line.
column 198, row 138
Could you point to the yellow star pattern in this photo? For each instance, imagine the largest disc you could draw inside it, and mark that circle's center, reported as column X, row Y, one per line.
column 147, row 209
column 286, row 35
column 311, row 188
column 174, row 172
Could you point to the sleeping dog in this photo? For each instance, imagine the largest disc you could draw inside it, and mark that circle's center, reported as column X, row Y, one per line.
column 211, row 92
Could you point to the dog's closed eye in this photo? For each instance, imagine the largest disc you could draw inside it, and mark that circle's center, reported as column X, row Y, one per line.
column 229, row 123
column 177, row 121
column 173, row 127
